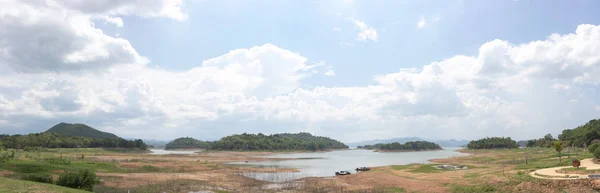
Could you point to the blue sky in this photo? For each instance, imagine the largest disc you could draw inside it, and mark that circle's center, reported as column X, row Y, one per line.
column 215, row 27
column 353, row 69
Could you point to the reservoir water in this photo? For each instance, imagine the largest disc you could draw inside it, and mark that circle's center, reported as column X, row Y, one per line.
column 324, row 164
column 164, row 152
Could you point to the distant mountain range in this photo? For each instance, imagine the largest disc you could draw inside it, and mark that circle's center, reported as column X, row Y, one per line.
column 443, row 143
column 81, row 130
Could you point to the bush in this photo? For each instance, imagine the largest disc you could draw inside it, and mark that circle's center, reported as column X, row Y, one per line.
column 597, row 153
column 6, row 155
column 58, row 161
column 148, row 168
column 43, row 178
column 82, row 179
column 34, row 149
column 592, row 148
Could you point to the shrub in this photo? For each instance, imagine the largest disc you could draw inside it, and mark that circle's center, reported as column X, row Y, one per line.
column 82, row 179
column 34, row 149
column 6, row 155
column 43, row 178
column 592, row 148
column 58, row 161
column 148, row 168
column 597, row 153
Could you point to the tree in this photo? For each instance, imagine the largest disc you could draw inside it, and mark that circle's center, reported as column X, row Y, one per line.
column 592, row 148
column 558, row 147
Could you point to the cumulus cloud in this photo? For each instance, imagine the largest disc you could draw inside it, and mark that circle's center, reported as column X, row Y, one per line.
column 520, row 90
column 330, row 73
column 60, row 36
column 366, row 32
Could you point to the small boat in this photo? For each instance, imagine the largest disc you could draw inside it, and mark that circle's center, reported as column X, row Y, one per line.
column 363, row 169
column 341, row 173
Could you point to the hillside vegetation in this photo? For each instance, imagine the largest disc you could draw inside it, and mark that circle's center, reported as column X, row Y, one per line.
column 80, row 130
column 582, row 135
column 188, row 143
column 284, row 141
column 54, row 140
column 408, row 146
column 493, row 143
column 64, row 135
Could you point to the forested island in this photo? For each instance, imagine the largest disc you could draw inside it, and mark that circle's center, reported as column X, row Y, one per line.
column 261, row 142
column 188, row 143
column 64, row 135
column 493, row 143
column 408, row 146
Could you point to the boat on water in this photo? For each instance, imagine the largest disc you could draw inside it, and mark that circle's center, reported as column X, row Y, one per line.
column 363, row 169
column 342, row 173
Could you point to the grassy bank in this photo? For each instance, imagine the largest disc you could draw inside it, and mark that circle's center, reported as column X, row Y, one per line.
column 11, row 185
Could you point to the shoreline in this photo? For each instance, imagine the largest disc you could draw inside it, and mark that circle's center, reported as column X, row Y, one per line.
column 392, row 151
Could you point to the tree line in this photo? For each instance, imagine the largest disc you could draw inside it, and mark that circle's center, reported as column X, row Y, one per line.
column 493, row 143
column 261, row 142
column 55, row 140
column 408, row 146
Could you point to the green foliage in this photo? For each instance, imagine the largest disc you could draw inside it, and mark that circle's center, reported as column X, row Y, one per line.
column 276, row 142
column 6, row 155
column 43, row 178
column 188, row 143
column 582, row 135
column 547, row 141
column 558, row 146
column 148, row 168
column 80, row 130
column 597, row 153
column 592, row 148
column 35, row 141
column 82, row 179
column 34, row 149
column 57, row 161
column 408, row 146
column 493, row 143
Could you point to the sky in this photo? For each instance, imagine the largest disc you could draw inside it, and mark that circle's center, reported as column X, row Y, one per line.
column 348, row 69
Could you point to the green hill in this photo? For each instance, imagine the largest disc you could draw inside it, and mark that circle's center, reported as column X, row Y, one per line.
column 80, row 130
column 188, row 143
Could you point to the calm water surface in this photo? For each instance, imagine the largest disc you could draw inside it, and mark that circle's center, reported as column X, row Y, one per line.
column 323, row 164
column 164, row 152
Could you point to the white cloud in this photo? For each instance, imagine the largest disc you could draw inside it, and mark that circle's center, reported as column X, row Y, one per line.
column 366, row 32
column 337, row 29
column 62, row 36
column 422, row 22
column 143, row 8
column 345, row 43
column 330, row 73
column 518, row 90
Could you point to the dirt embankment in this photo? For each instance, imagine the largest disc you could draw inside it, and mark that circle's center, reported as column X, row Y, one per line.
column 5, row 172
